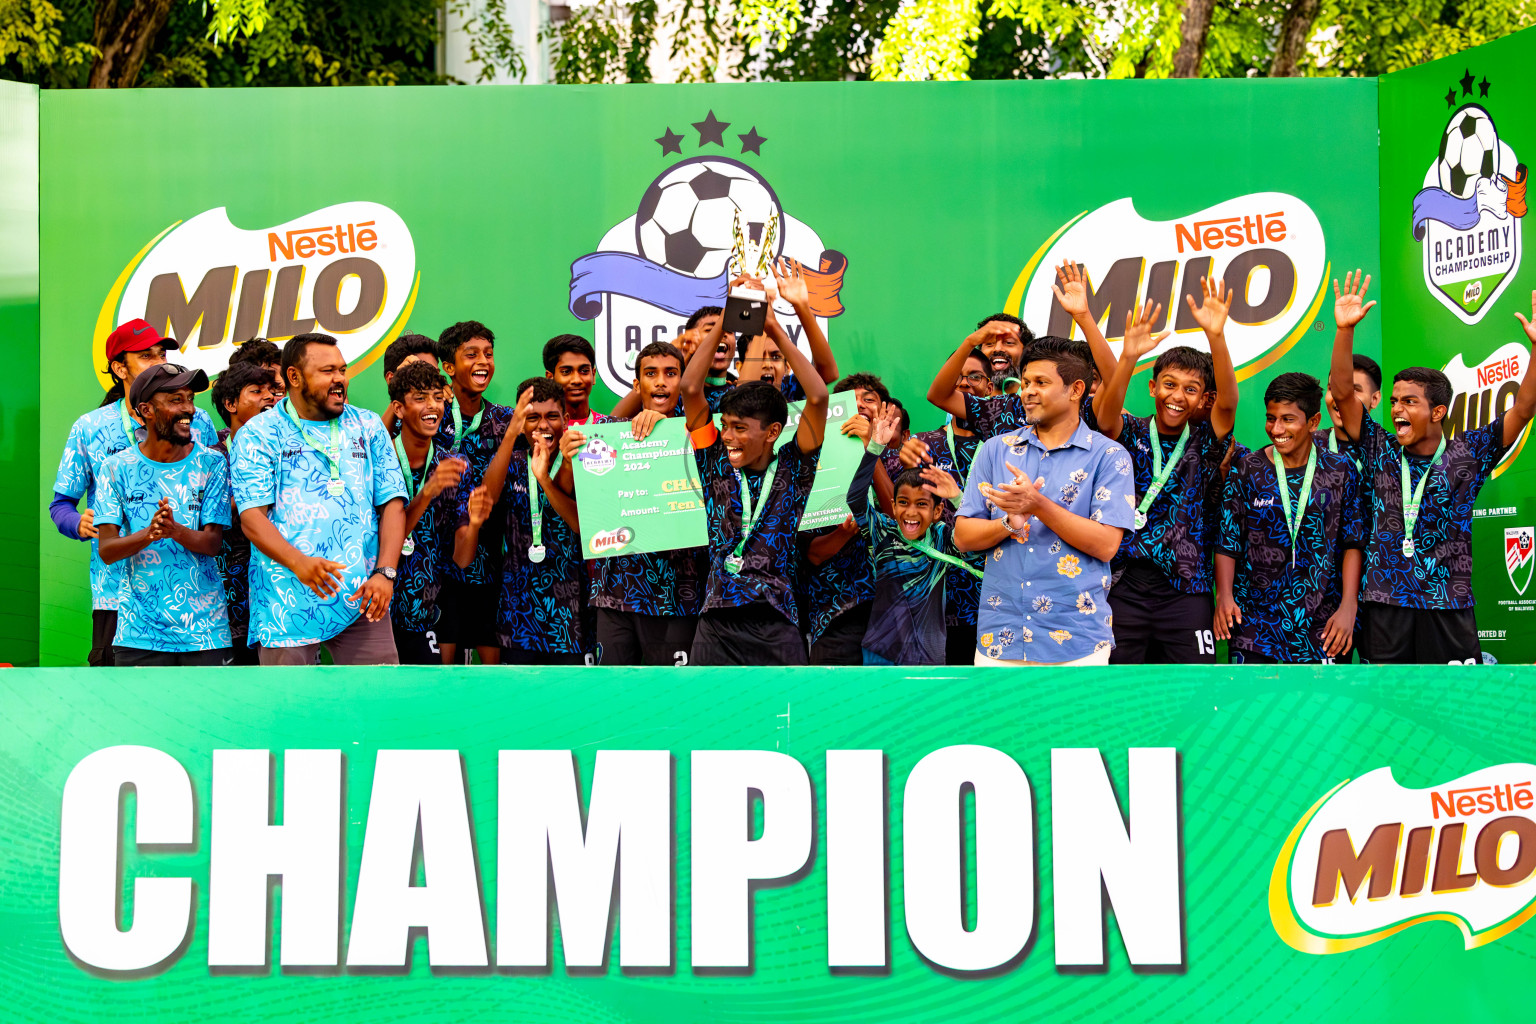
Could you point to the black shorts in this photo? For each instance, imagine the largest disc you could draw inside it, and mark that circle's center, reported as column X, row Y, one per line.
column 629, row 638
column 1157, row 625
column 417, row 648
column 960, row 644
column 244, row 654
column 522, row 656
column 1390, row 635
column 843, row 642
column 756, row 634
column 103, row 631
column 467, row 613
column 137, row 657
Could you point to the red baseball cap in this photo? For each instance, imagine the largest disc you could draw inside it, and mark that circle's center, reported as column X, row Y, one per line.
column 136, row 336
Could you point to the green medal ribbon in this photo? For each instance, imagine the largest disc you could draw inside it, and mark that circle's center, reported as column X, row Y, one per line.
column 1411, row 500
column 1294, row 524
column 1333, row 446
column 936, row 554
column 458, row 425
column 536, row 550
column 129, row 426
column 1160, row 472
column 331, row 451
column 734, row 560
column 718, row 382
column 411, row 486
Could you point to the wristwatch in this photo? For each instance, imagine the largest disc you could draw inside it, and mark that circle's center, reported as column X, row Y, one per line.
column 386, row 571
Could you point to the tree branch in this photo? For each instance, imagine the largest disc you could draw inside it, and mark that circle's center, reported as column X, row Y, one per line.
column 1193, row 29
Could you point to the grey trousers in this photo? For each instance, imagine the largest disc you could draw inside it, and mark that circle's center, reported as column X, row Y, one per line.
column 362, row 643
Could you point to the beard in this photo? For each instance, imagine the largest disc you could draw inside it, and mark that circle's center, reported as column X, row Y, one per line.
column 317, row 399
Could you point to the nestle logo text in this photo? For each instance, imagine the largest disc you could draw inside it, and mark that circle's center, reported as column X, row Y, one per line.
column 1515, row 796
column 1220, row 231
column 322, row 241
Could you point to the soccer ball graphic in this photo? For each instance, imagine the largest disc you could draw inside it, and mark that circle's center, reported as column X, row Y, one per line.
column 687, row 214
column 1469, row 150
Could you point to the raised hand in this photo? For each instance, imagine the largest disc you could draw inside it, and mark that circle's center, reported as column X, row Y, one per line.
column 993, row 328
column 887, row 424
column 87, row 528
column 520, row 414
column 1228, row 614
column 1139, row 340
column 790, row 277
column 447, row 475
column 320, row 575
column 859, row 427
column 914, row 453
column 543, row 454
column 1529, row 325
column 644, row 422
column 1072, row 294
column 687, row 341
column 1211, row 314
column 480, row 505
column 939, row 483
column 1347, row 305
column 570, row 443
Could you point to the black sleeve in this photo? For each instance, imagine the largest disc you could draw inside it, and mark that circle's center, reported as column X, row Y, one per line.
column 858, row 488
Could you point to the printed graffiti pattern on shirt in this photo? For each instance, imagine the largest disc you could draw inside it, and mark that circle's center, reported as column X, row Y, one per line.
column 712, row 395
column 171, row 598
column 540, row 605
column 1440, row 573
column 1327, row 440
column 840, row 584
column 906, row 620
column 93, row 439
column 962, row 590
column 1002, row 414
column 1182, row 522
column 1286, row 606
column 477, row 450
column 1042, row 600
column 769, row 561
column 419, row 581
column 234, row 560
column 272, row 465
column 653, row 583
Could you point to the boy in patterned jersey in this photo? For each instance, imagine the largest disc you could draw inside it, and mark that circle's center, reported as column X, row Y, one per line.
column 763, row 356
column 164, row 506
column 754, row 496
column 540, row 606
column 408, row 348
column 240, row 393
column 416, row 402
column 1416, row 603
column 571, row 362
column 911, row 548
column 1288, row 558
column 266, row 355
column 322, row 501
column 647, row 604
column 473, row 427
column 93, row 438
column 1162, row 593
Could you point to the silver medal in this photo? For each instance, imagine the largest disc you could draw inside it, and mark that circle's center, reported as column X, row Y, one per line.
column 1140, row 520
column 536, row 553
column 408, row 547
column 1407, row 547
column 733, row 563
column 334, row 488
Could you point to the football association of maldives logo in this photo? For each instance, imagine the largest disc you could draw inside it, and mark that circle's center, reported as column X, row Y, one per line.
column 1518, row 555
column 1468, row 214
column 652, row 270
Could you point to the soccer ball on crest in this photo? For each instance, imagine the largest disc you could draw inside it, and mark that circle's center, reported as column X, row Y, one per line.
column 1469, row 150
column 687, row 215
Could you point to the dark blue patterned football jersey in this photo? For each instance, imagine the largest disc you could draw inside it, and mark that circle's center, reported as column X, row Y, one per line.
column 477, row 449
column 414, row 606
column 540, row 607
column 1180, row 533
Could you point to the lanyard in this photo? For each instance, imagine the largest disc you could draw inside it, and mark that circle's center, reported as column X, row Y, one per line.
column 129, row 427
column 1411, row 501
column 411, row 486
column 1160, row 472
column 750, row 514
column 536, row 550
column 1294, row 525
column 1333, row 446
column 717, row 382
column 458, row 424
column 331, row 451
column 936, row 554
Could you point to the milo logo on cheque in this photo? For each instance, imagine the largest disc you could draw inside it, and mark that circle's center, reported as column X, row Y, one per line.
column 611, row 541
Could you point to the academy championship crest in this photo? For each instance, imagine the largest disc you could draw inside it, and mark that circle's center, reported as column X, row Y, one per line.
column 1468, row 214
column 651, row 271
column 1518, row 556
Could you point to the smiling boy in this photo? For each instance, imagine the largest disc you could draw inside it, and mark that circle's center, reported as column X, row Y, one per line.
column 1416, row 600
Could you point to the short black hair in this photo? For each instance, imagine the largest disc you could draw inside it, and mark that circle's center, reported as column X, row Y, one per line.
column 1182, row 357
column 1370, row 367
column 1300, row 389
column 755, row 400
column 1436, row 385
column 560, row 344
column 452, row 337
column 1025, row 334
column 863, row 382
column 257, row 350
column 659, row 350
column 405, row 346
column 1069, row 358
column 700, row 314
column 293, row 352
column 544, row 390
column 228, row 385
column 910, row 477
column 977, row 353
column 415, row 376
column 906, row 417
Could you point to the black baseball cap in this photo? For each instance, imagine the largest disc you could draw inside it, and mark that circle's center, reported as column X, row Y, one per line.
column 165, row 377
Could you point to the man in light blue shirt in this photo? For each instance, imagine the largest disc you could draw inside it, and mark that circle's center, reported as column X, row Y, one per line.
column 322, row 499
column 163, row 507
column 1049, row 503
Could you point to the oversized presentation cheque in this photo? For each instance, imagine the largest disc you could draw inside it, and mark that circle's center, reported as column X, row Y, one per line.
column 638, row 496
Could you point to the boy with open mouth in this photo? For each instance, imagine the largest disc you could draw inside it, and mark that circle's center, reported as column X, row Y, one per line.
column 1416, row 599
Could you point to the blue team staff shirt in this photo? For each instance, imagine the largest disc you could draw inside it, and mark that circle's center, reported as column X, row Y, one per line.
column 1042, row 600
column 769, row 561
column 171, row 600
column 1285, row 606
column 272, row 465
column 1440, row 573
column 419, row 579
column 93, row 439
column 234, row 566
column 1180, row 534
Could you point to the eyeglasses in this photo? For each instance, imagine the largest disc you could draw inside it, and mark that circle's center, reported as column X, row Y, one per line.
column 976, row 378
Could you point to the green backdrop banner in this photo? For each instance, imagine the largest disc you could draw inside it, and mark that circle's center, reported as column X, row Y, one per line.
column 916, row 209
column 457, row 844
column 1456, row 137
